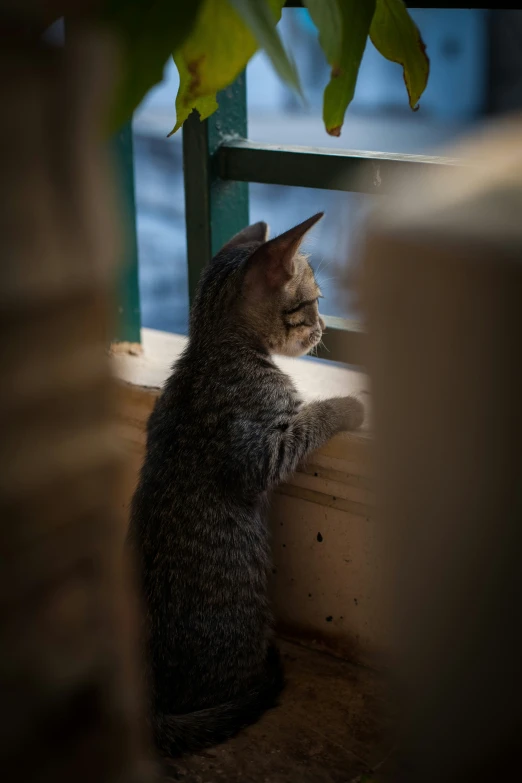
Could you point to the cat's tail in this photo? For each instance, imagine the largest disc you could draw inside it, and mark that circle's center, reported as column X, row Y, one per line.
column 176, row 735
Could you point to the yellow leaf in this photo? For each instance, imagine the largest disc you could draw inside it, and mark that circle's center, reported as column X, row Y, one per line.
column 214, row 54
column 204, row 106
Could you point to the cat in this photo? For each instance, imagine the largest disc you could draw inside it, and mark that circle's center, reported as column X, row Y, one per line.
column 228, row 427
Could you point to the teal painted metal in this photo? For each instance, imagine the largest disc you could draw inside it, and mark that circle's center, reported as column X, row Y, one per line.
column 128, row 325
column 215, row 209
column 315, row 167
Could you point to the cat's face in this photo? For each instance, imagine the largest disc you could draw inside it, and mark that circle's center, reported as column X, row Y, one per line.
column 279, row 296
column 289, row 319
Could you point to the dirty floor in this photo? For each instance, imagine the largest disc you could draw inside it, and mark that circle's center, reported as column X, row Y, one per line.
column 329, row 728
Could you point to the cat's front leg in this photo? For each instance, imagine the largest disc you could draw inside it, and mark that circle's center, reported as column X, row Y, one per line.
column 348, row 413
column 312, row 426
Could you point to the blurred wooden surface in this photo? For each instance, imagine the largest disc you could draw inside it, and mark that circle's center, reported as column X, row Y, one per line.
column 71, row 708
column 443, row 280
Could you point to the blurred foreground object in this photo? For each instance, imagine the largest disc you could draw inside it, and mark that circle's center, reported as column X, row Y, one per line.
column 70, row 706
column 443, row 295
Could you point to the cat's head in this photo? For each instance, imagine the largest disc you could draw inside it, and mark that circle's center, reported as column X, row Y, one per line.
column 263, row 288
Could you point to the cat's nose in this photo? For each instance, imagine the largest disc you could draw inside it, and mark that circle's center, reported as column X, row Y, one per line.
column 322, row 324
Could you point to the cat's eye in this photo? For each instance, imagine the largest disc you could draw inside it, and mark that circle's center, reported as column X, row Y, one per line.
column 301, row 305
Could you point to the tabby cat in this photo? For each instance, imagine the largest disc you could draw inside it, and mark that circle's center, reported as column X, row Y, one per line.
column 228, row 427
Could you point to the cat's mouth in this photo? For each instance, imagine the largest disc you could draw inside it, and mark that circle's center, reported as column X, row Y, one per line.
column 314, row 338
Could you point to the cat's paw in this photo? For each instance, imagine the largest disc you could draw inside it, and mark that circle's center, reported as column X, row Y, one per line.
column 353, row 412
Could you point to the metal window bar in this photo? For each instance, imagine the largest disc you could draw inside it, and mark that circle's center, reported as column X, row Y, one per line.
column 128, row 318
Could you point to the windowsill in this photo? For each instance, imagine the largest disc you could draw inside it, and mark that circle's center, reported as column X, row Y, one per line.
column 336, row 475
column 150, row 368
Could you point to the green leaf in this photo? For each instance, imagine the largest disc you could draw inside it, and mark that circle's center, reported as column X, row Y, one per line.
column 147, row 31
column 396, row 36
column 327, row 18
column 209, row 59
column 356, row 18
column 259, row 17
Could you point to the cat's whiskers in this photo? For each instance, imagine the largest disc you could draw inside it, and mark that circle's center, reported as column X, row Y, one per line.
column 323, row 262
column 321, row 345
column 324, row 280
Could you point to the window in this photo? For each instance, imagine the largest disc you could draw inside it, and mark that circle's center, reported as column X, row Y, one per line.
column 379, row 119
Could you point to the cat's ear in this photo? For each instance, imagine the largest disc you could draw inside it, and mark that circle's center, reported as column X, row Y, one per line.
column 275, row 260
column 257, row 232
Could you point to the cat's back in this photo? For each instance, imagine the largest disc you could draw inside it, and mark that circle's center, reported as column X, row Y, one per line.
column 205, row 434
column 208, row 400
